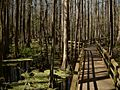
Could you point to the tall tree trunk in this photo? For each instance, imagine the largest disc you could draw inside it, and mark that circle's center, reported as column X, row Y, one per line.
column 82, row 20
column 85, row 25
column 71, row 29
column 92, row 31
column 29, row 24
column 5, row 27
column 98, row 20
column 66, row 29
column 1, row 44
column 3, row 19
column 60, row 34
column 95, row 19
column 21, row 9
column 12, row 23
column 79, row 25
column 17, row 28
column 41, row 22
column 76, row 31
column 118, row 35
column 24, row 25
column 116, row 18
column 88, row 22
column 1, row 57
column 53, row 47
column 111, row 28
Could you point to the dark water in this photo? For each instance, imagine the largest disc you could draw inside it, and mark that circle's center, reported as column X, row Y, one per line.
column 65, row 85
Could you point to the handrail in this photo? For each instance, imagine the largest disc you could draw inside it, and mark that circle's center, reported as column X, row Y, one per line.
column 112, row 66
column 15, row 66
column 78, row 67
column 78, row 44
column 17, row 60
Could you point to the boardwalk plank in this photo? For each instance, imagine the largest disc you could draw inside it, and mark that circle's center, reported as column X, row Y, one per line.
column 95, row 76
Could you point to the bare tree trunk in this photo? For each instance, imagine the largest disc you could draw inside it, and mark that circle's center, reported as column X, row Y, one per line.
column 60, row 34
column 17, row 28
column 1, row 57
column 111, row 28
column 5, row 27
column 6, row 31
column 66, row 29
column 92, row 31
column 79, row 25
column 82, row 21
column 53, row 47
column 21, row 9
column 76, row 31
column 118, row 35
column 116, row 20
column 12, row 23
column 71, row 33
column 98, row 20
column 85, row 25
column 29, row 24
column 24, row 39
column 88, row 22
column 1, row 44
column 95, row 19
column 41, row 23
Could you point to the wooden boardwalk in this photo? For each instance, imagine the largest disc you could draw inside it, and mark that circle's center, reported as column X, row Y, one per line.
column 94, row 74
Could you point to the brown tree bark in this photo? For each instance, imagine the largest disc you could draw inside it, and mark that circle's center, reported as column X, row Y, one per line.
column 5, row 26
column 29, row 23
column 53, row 46
column 17, row 29
column 1, row 37
column 24, row 25
column 65, row 35
column 111, row 28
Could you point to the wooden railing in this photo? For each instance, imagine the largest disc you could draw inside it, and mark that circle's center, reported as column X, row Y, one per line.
column 112, row 66
column 78, row 44
column 13, row 68
column 77, row 71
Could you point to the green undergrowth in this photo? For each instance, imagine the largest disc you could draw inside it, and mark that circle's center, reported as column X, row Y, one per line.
column 36, row 80
column 24, row 51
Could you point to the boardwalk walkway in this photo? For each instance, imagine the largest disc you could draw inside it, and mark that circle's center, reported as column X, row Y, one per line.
column 94, row 74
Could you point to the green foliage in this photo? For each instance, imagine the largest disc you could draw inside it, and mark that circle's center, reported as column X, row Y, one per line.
column 38, row 80
column 26, row 52
column 61, row 73
column 19, row 87
column 33, row 80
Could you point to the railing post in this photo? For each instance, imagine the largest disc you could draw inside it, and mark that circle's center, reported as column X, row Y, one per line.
column 116, row 76
column 118, row 79
column 109, row 64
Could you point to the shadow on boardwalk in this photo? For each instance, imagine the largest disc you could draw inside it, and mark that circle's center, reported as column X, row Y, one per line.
column 94, row 74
